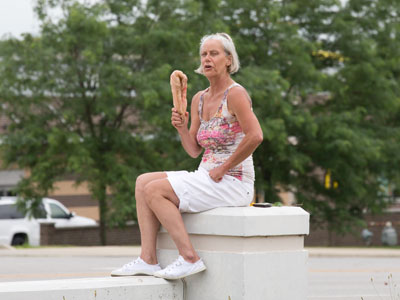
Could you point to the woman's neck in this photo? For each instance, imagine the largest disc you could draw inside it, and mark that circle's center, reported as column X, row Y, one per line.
column 219, row 84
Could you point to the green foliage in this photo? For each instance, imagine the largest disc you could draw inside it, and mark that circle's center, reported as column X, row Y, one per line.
column 327, row 75
column 90, row 95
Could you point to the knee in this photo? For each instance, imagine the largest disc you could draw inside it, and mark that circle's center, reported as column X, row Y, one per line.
column 140, row 183
column 150, row 192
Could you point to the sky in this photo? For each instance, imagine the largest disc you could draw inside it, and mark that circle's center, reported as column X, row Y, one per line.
column 16, row 17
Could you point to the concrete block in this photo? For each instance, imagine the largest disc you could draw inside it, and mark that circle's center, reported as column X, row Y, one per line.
column 248, row 221
column 250, row 253
column 251, row 276
column 116, row 288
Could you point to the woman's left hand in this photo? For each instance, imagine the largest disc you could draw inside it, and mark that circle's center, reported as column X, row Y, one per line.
column 217, row 173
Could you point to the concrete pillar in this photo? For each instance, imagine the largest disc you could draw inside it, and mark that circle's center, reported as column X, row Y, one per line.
column 250, row 253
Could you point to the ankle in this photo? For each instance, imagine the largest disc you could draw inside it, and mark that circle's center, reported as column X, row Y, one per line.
column 151, row 260
column 190, row 257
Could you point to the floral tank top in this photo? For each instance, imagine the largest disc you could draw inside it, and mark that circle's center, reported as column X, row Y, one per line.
column 220, row 137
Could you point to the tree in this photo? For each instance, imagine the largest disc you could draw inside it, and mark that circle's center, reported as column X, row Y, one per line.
column 317, row 71
column 90, row 96
column 82, row 98
column 362, row 141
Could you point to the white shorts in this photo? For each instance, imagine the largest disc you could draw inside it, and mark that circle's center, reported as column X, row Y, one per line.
column 198, row 192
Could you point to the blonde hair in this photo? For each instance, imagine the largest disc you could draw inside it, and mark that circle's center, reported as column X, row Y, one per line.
column 229, row 48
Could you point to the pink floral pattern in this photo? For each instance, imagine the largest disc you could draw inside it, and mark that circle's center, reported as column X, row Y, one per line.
column 220, row 137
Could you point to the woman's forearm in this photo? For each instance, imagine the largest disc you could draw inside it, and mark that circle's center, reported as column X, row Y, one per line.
column 247, row 146
column 189, row 143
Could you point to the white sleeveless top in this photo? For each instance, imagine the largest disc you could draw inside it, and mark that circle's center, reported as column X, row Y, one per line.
column 220, row 137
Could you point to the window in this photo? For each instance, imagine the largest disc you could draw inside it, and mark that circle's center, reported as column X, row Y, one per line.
column 10, row 211
column 7, row 192
column 40, row 212
column 57, row 212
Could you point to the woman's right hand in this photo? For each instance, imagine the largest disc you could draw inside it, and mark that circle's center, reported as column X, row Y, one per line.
column 177, row 120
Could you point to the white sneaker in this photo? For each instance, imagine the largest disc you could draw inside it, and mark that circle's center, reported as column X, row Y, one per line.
column 180, row 268
column 136, row 267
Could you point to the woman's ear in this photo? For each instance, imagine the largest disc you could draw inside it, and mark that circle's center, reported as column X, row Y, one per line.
column 229, row 63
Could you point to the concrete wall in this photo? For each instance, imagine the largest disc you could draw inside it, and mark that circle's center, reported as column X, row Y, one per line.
column 322, row 237
column 88, row 236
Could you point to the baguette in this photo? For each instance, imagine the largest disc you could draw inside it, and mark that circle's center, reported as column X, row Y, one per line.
column 178, row 81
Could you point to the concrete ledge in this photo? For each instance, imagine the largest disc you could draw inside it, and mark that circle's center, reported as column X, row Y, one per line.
column 116, row 288
column 249, row 221
column 235, row 244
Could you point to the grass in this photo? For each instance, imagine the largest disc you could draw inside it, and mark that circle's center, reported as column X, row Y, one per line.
column 393, row 291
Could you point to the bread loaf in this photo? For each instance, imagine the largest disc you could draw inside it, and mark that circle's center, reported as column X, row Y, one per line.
column 178, row 81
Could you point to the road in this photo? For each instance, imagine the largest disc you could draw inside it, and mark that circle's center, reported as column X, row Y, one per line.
column 333, row 275
column 350, row 278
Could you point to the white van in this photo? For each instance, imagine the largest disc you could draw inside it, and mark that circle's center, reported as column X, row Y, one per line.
column 17, row 228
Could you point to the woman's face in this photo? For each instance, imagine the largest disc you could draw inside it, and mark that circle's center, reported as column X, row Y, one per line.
column 214, row 59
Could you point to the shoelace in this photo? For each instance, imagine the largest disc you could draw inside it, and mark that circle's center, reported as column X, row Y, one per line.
column 130, row 264
column 174, row 265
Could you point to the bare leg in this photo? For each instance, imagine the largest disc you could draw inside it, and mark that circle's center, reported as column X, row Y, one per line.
column 162, row 200
column 148, row 222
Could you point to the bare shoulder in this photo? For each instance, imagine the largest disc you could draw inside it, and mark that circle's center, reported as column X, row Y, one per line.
column 237, row 90
column 196, row 97
column 238, row 96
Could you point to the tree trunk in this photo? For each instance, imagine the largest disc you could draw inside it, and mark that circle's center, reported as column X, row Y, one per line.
column 103, row 218
column 102, row 198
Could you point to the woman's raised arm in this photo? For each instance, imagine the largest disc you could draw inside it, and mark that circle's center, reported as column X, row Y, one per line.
column 188, row 136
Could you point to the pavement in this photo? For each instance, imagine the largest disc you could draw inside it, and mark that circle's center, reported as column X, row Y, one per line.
column 351, row 252
column 67, row 251
column 334, row 273
column 116, row 251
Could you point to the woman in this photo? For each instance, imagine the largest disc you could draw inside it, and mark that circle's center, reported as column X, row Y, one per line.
column 222, row 122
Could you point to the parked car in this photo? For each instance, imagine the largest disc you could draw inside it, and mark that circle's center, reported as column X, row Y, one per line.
column 17, row 228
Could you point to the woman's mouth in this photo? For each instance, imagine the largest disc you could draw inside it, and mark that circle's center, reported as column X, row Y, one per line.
column 207, row 67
